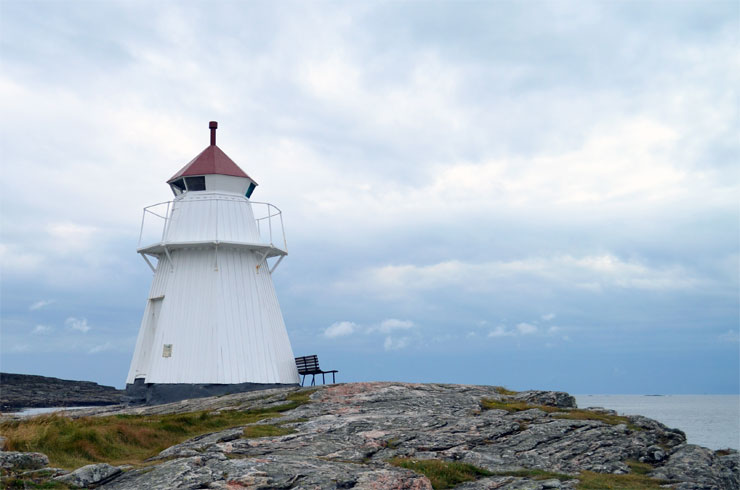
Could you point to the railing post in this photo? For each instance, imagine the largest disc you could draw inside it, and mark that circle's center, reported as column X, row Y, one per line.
column 141, row 230
column 282, row 227
column 269, row 221
column 166, row 221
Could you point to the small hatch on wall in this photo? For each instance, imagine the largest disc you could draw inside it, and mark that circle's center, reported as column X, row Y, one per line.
column 252, row 185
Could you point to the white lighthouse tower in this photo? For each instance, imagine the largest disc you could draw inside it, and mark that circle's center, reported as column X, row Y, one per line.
column 212, row 323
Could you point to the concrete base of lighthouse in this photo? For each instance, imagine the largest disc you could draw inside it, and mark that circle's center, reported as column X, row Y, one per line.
column 141, row 393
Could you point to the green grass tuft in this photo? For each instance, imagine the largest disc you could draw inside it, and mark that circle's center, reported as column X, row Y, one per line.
column 445, row 474
column 514, row 405
column 639, row 468
column 558, row 413
column 23, row 482
column 607, row 481
column 534, row 474
column 501, row 390
column 266, row 430
column 126, row 439
column 580, row 414
column 442, row 474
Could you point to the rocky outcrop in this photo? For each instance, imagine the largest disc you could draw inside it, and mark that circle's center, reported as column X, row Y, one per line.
column 27, row 391
column 14, row 460
column 92, row 474
column 695, row 465
column 348, row 434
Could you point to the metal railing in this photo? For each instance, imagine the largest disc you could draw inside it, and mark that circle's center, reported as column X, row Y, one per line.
column 156, row 220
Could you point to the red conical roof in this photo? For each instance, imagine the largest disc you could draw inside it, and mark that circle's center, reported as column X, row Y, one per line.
column 211, row 161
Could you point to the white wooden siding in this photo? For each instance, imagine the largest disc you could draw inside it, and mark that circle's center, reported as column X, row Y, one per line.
column 219, row 310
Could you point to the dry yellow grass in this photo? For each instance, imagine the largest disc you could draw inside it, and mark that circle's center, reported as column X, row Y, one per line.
column 125, row 439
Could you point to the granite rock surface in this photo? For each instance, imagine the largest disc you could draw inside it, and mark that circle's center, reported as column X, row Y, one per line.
column 346, row 435
column 27, row 391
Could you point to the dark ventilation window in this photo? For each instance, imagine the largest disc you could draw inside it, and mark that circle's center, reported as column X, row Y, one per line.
column 195, row 183
column 250, row 190
column 178, row 187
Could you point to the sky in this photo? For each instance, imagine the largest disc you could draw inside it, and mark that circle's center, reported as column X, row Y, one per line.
column 539, row 195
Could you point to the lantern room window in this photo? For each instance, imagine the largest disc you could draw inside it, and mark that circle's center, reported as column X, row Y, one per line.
column 195, row 183
column 178, row 187
column 183, row 185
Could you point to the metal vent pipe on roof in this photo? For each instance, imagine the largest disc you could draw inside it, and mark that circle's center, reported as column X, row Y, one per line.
column 213, row 125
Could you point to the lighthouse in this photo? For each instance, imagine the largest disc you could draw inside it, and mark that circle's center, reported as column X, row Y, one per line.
column 212, row 323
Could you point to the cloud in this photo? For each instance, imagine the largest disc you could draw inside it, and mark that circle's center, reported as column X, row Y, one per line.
column 548, row 317
column 391, row 324
column 589, row 272
column 101, row 348
column 392, row 343
column 522, row 328
column 79, row 324
column 40, row 304
column 340, row 329
column 526, row 328
column 501, row 331
column 42, row 330
column 730, row 336
column 72, row 237
column 16, row 258
column 471, row 199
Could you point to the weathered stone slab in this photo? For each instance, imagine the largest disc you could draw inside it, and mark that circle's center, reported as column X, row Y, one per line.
column 268, row 472
column 92, row 474
column 699, row 467
column 14, row 460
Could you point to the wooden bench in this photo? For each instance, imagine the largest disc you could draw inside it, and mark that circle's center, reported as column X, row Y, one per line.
column 310, row 365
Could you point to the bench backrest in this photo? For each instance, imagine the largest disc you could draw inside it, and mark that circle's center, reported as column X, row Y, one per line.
column 307, row 364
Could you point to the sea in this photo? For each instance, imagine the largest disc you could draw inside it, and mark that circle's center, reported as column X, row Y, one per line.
column 712, row 421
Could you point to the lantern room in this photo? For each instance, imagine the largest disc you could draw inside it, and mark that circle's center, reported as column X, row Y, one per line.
column 212, row 171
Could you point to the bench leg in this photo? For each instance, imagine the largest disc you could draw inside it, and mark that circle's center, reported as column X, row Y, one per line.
column 323, row 379
column 333, row 379
column 303, row 379
column 313, row 380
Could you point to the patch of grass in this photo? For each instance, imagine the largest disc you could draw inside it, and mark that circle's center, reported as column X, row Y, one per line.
column 558, row 413
column 580, row 414
column 13, row 482
column 266, row 430
column 607, row 481
column 514, row 405
column 534, row 474
column 639, row 468
column 501, row 390
column 292, row 421
column 445, row 474
column 442, row 474
column 723, row 452
column 125, row 439
column 392, row 443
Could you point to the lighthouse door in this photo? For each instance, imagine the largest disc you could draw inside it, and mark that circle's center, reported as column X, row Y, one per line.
column 155, row 305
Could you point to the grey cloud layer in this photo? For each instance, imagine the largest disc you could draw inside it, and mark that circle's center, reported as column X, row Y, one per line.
column 444, row 164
